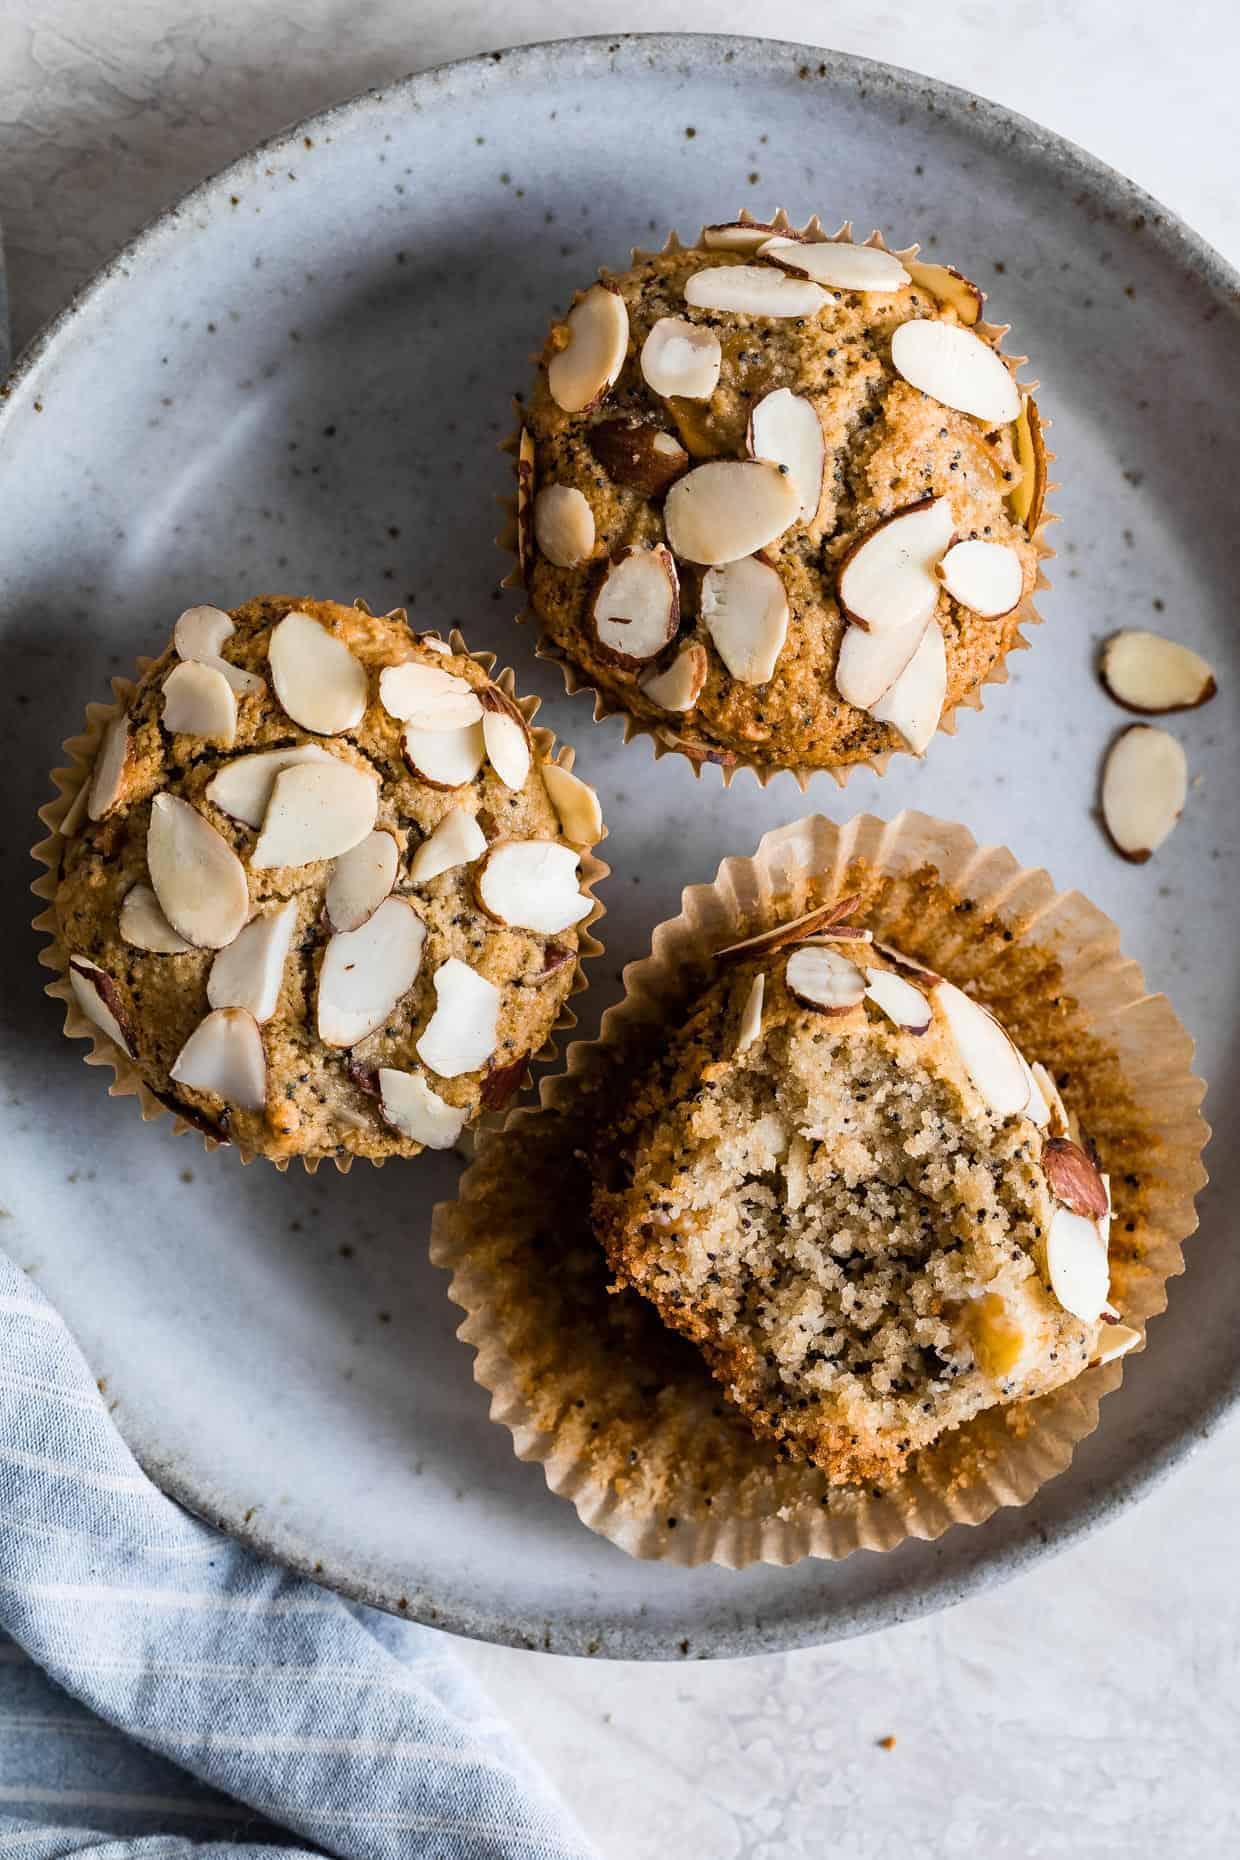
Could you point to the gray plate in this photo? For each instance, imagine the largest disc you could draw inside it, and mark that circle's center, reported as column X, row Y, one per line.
column 296, row 380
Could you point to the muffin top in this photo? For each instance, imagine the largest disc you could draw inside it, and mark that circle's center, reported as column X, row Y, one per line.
column 777, row 496
column 322, row 887
column 846, row 1186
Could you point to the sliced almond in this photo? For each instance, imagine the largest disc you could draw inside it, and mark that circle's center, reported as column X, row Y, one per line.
column 99, row 998
column 887, row 580
column 899, row 1000
column 956, row 368
column 598, row 336
column 837, row 263
column 525, row 501
column 144, row 925
column 107, row 783
column 1038, row 1109
column 914, row 703
column 753, row 290
column 200, row 634
column 507, row 747
column 198, row 878
column 199, row 701
column 1074, row 1179
column 751, row 1014
column 1144, row 788
column 563, row 525
column 445, row 758
column 242, row 789
column 1116, row 1340
column 317, row 810
column 501, row 1083
column 745, row 610
column 418, row 1112
column 575, row 802
column 1028, row 495
column 637, row 607
column 869, row 663
column 1076, row 1263
column 1058, row 1114
column 795, row 930
column 637, row 454
column 680, row 358
column 318, row 681
column 986, row 577
column 366, row 972
column 741, row 235
column 824, row 979
column 532, row 885
column 464, row 1029
column 224, row 1056
column 360, row 880
column 457, row 840
column 908, row 965
column 728, row 508
column 986, row 1050
column 680, row 685
column 1149, row 673
column 250, row 972
column 950, row 286
column 428, row 696
column 432, row 643
column 785, row 429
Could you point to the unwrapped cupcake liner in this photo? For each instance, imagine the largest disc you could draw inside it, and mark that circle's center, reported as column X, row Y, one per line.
column 622, row 1415
column 63, row 818
column 663, row 735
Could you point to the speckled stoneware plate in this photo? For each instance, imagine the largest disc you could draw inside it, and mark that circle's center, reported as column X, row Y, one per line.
column 296, row 380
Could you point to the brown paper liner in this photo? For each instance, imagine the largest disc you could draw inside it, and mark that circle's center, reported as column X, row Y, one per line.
column 663, row 735
column 622, row 1415
column 62, row 816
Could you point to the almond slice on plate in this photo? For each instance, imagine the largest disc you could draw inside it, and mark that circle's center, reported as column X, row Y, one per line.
column 198, row 878
column 445, row 758
column 899, row 1000
column 428, row 696
column 887, row 580
column 360, row 880
column 108, row 782
column 224, row 1056
column 200, row 634
column 457, row 840
column 525, row 501
column 575, row 802
column 199, row 701
column 317, row 810
column 680, row 685
column 318, row 681
column 1076, row 1263
column 824, row 979
column 741, row 235
column 956, row 368
column 681, row 358
column 250, row 972
column 366, row 972
column 1116, row 1340
column 100, row 1000
column 598, row 336
column 563, row 525
column 745, row 611
column 837, row 263
column 1150, row 673
column 728, row 508
column 753, row 290
column 987, row 1051
column 636, row 609
column 785, row 429
column 822, row 918
column 1144, row 788
column 242, row 789
column 417, row 1112
column 1074, row 1179
column 914, row 703
column 532, row 885
column 637, row 454
column 144, row 926
column 870, row 663
column 1028, row 494
column 950, row 286
column 464, row 1029
column 508, row 748
column 986, row 577
column 751, row 1014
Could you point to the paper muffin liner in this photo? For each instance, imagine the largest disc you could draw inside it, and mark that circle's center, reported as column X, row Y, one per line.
column 63, row 816
column 622, row 1414
column 663, row 736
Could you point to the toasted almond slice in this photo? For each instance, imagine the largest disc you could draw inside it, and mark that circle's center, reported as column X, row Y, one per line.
column 837, row 263
column 870, row 663
column 745, row 611
column 108, row 782
column 785, row 429
column 1076, row 1263
column 1028, row 494
column 224, row 1056
column 563, row 525
column 199, row 701
column 532, row 885
column 741, row 235
column 841, row 933
column 144, row 925
column 99, row 998
column 318, row 681
column 200, row 634
column 1116, row 1340
column 431, row 642
column 576, row 803
column 950, row 286
column 501, row 1083
column 457, row 840
column 887, row 580
column 525, row 502
column 1038, row 1109
column 445, row 758
column 507, row 747
column 1057, row 1119
column 360, row 880
column 824, row 979
column 908, row 965
column 250, row 972
column 1150, row 673
column 598, row 336
column 956, row 368
column 753, row 290
column 418, row 1112
column 1073, row 1179
column 198, row 878
column 428, row 696
column 680, row 685
column 1144, row 788
column 464, row 1029
column 681, row 358
column 728, row 508
column 986, row 1049
column 899, row 1000
column 242, row 789
column 751, row 1014
column 914, row 703
column 317, row 810
column 822, row 918
column 637, row 606
column 366, row 972
column 986, row 577
column 637, row 454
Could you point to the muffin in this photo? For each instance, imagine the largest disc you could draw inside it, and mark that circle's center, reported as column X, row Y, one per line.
column 779, row 498
column 321, row 889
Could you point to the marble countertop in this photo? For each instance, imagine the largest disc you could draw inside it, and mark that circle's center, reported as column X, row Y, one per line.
column 1091, row 1707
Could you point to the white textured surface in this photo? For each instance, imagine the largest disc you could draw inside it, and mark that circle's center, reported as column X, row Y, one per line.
column 1091, row 1708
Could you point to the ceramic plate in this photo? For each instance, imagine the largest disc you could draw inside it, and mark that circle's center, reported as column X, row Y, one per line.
column 296, row 381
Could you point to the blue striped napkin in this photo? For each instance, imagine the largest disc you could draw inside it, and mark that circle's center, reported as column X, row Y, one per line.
column 161, row 1686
